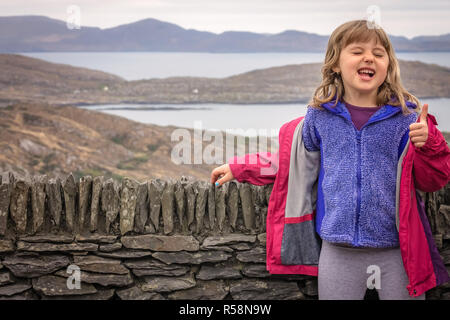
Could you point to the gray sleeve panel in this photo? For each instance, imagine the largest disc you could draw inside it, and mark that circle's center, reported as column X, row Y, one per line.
column 303, row 175
column 397, row 187
column 300, row 245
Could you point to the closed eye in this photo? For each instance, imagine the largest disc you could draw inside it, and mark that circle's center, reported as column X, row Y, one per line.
column 376, row 55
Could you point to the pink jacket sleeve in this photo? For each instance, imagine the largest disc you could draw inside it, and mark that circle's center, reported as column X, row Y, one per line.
column 256, row 168
column 431, row 165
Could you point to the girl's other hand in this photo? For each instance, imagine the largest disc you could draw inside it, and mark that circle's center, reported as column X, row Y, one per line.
column 418, row 132
column 221, row 174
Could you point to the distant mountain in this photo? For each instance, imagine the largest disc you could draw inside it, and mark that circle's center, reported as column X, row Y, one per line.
column 39, row 33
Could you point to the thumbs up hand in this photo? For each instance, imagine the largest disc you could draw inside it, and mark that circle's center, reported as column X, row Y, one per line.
column 418, row 132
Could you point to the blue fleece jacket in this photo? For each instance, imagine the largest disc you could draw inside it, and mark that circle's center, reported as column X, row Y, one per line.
column 358, row 173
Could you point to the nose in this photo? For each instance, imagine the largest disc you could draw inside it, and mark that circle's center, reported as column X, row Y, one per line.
column 368, row 57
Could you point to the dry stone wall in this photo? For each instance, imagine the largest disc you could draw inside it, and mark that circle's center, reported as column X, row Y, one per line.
column 160, row 239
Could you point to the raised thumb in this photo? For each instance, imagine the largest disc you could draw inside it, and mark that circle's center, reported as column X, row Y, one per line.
column 424, row 113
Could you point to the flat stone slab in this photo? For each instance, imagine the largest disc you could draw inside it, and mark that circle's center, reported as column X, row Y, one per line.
column 99, row 295
column 96, row 238
column 199, row 257
column 251, row 289
column 255, row 255
column 161, row 243
column 117, row 280
column 6, row 246
column 256, row 271
column 262, row 238
column 219, row 248
column 241, row 246
column 153, row 267
column 99, row 264
column 167, row 284
column 125, row 254
column 12, row 289
column 57, row 286
column 48, row 238
column 136, row 293
column 227, row 240
column 6, row 278
column 24, row 295
column 218, row 272
column 44, row 246
column 204, row 290
column 110, row 247
column 311, row 288
column 34, row 266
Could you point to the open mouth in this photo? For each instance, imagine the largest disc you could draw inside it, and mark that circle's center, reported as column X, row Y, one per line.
column 366, row 73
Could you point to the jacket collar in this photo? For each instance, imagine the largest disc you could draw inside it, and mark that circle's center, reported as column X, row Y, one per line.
column 384, row 112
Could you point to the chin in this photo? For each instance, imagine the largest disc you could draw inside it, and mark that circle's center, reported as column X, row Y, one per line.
column 367, row 86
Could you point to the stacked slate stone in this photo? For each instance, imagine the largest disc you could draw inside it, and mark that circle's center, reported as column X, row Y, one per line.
column 437, row 206
column 161, row 239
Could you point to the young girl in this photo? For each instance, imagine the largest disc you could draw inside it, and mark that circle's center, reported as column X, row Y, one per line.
column 344, row 205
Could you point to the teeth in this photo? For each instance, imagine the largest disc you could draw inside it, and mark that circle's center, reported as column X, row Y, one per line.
column 366, row 71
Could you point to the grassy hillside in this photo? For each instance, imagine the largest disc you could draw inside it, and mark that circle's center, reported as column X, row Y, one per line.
column 44, row 139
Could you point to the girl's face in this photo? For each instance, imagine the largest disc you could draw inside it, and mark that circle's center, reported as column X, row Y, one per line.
column 363, row 67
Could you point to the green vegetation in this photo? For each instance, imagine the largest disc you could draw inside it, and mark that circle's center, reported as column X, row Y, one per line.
column 48, row 158
column 119, row 138
column 97, row 172
column 131, row 164
column 94, row 172
column 48, row 165
column 33, row 162
column 152, row 147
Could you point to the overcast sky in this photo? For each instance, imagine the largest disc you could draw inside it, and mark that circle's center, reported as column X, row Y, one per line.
column 408, row 18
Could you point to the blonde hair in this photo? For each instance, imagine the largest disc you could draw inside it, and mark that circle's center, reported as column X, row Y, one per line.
column 391, row 91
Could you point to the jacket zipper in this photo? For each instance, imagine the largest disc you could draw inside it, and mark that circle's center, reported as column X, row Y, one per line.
column 358, row 179
column 358, row 188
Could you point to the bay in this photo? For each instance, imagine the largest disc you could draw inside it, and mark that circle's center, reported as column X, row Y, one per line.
column 268, row 117
column 249, row 119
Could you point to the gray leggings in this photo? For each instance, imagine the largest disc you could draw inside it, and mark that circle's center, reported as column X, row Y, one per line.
column 344, row 273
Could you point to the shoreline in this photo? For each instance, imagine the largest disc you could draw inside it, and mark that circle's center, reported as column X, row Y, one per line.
column 192, row 103
column 201, row 103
